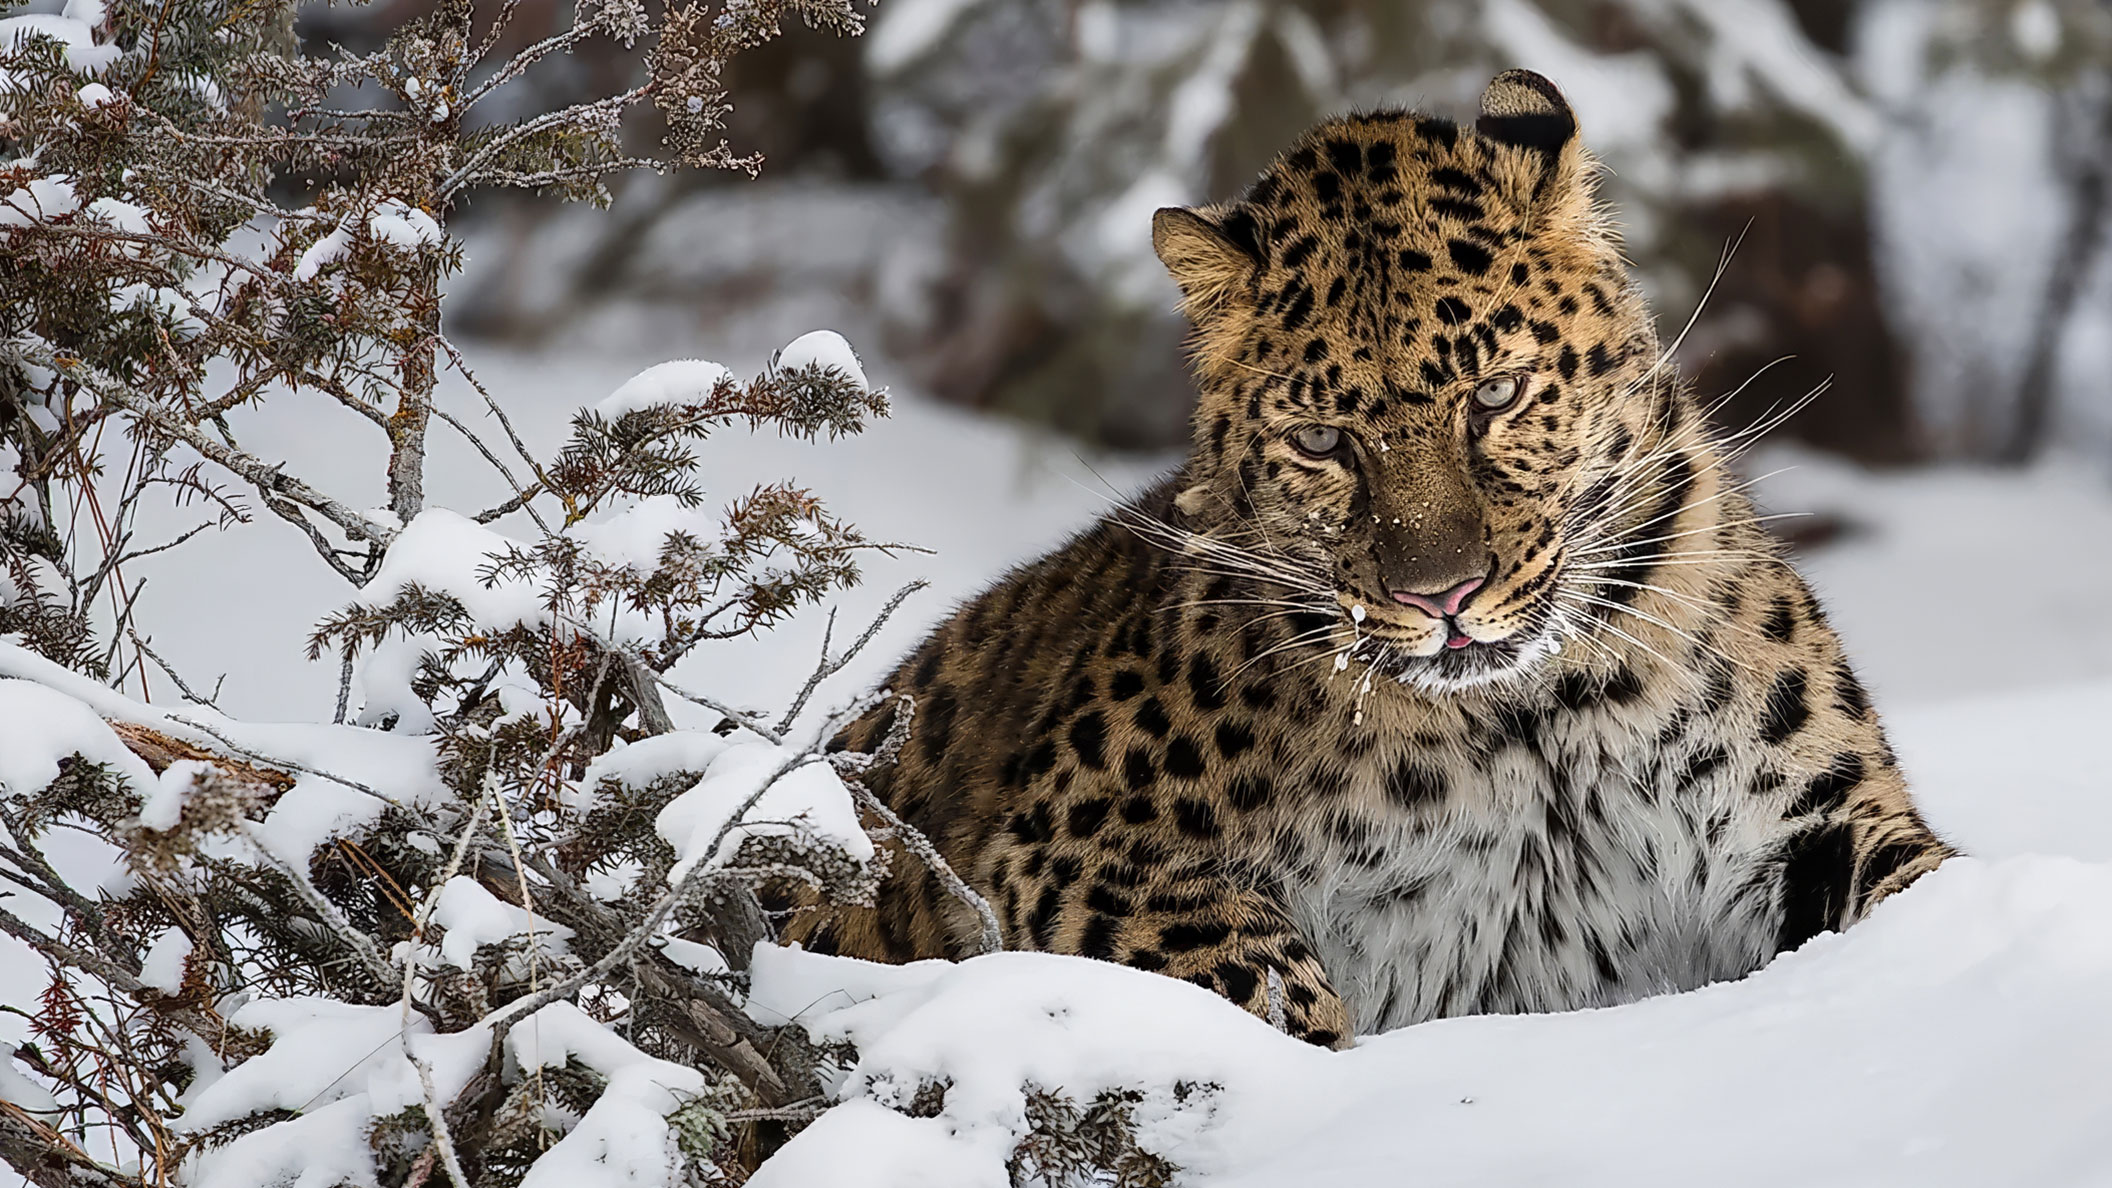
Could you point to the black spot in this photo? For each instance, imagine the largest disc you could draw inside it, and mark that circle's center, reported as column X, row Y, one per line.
column 1817, row 865
column 1299, row 309
column 1883, row 862
column 1137, row 769
column 1413, row 786
column 1125, row 684
column 1781, row 619
column 1085, row 816
column 1437, row 130
column 1065, row 871
column 1452, row 311
column 1624, row 687
column 1250, row 791
column 1411, row 260
column 1239, row 981
column 1575, row 691
column 1151, row 718
column 934, row 727
column 1147, row 959
column 1205, row 687
column 1471, row 258
column 1456, row 180
column 1099, row 939
column 1787, row 710
column 1346, row 156
column 1598, row 360
column 1188, row 937
column 1848, row 691
column 1104, row 899
column 1545, row 333
column 1457, row 208
column 1196, row 818
column 1089, row 739
column 1041, row 922
column 1699, row 766
column 1321, row 1037
column 1829, row 789
column 1138, row 810
column 1566, row 362
column 1233, row 738
column 1327, row 187
column 1184, row 758
column 1294, row 256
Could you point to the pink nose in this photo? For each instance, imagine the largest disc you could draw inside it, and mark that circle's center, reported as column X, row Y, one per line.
column 1441, row 605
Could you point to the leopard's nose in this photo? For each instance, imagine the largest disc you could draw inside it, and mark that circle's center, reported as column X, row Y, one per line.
column 1440, row 604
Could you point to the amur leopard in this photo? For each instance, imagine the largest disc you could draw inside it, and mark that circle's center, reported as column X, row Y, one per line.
column 1452, row 673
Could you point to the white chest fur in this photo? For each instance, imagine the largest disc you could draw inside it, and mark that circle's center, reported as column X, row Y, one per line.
column 1537, row 885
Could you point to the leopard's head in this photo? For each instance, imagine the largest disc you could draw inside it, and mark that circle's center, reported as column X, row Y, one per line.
column 1424, row 370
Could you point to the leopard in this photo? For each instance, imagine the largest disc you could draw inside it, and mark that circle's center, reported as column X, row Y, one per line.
column 1454, row 672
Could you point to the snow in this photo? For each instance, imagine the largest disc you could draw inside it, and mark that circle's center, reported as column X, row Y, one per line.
column 638, row 765
column 96, row 95
column 162, row 966
column 339, row 1066
column 677, row 381
column 397, row 224
column 41, row 200
column 822, row 348
column 1955, row 1038
column 162, row 806
column 45, row 726
column 624, row 1137
column 473, row 917
column 808, row 799
column 83, row 55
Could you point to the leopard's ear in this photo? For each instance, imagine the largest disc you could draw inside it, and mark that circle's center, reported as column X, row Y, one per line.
column 1549, row 173
column 1525, row 110
column 1212, row 252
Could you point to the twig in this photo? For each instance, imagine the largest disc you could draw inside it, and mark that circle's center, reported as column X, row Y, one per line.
column 849, row 768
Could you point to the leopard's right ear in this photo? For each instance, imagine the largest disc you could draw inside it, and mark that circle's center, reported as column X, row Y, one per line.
column 1212, row 252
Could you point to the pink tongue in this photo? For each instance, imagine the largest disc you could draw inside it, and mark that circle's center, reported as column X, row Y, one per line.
column 1459, row 641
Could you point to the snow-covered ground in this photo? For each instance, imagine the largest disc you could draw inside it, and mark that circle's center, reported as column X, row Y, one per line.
column 1959, row 1037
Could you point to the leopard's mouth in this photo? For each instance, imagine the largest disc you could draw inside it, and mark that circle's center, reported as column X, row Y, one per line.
column 1443, row 654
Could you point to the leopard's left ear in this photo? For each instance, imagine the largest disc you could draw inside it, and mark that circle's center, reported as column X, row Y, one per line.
column 1523, row 110
column 1213, row 253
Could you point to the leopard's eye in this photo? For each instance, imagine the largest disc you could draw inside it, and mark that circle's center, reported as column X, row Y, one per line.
column 1318, row 441
column 1497, row 394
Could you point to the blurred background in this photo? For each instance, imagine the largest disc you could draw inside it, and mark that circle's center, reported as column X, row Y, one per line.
column 1918, row 193
column 1916, row 190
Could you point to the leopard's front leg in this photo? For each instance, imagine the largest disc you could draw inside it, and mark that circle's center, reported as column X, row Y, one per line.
column 1233, row 939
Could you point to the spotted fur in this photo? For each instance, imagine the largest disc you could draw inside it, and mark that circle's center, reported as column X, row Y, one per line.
column 1217, row 736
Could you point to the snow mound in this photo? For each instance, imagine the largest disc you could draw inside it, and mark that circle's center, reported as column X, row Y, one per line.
column 806, row 799
column 1957, row 1037
column 822, row 348
column 677, row 381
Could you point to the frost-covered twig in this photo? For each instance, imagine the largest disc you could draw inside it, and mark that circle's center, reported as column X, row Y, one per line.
column 829, row 666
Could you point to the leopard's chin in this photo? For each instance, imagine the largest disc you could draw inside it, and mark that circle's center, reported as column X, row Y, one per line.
column 1475, row 665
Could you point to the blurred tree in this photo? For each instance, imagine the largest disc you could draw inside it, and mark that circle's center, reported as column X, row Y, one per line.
column 1054, row 128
